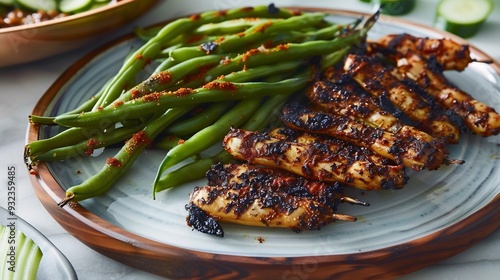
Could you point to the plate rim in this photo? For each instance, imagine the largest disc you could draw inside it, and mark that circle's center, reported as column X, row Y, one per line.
column 374, row 262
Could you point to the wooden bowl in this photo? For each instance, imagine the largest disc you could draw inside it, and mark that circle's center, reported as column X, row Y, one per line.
column 20, row 44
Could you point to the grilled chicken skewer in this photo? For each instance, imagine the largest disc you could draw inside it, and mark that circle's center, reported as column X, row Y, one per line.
column 401, row 148
column 242, row 175
column 346, row 98
column 333, row 145
column 256, row 196
column 378, row 80
column 312, row 161
column 447, row 53
column 479, row 117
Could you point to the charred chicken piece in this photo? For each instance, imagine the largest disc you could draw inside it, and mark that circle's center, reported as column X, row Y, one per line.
column 346, row 98
column 401, row 148
column 377, row 79
column 448, row 54
column 241, row 175
column 257, row 196
column 479, row 117
column 335, row 146
column 313, row 161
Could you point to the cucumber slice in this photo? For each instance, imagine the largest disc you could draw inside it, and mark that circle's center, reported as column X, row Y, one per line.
column 395, row 7
column 27, row 255
column 35, row 5
column 74, row 6
column 462, row 17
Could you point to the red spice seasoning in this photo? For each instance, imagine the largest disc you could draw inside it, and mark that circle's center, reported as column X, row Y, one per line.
column 139, row 138
column 221, row 13
column 226, row 60
column 164, row 77
column 139, row 56
column 249, row 53
column 195, row 17
column 113, row 162
column 134, row 93
column 90, row 146
column 152, row 97
column 262, row 28
column 226, row 86
column 282, row 47
column 219, row 40
column 184, row 91
column 118, row 103
column 181, row 141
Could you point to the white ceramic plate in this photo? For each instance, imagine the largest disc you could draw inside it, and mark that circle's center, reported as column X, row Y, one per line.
column 432, row 202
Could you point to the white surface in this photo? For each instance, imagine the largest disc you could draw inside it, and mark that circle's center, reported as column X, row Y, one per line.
column 22, row 86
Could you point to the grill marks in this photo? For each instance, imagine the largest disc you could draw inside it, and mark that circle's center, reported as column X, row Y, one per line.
column 258, row 196
column 315, row 160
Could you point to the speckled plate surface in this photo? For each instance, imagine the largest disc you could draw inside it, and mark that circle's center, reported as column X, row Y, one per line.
column 438, row 214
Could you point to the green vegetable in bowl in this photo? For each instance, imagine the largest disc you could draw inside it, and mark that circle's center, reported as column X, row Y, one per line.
column 35, row 5
column 462, row 17
column 19, row 12
column 75, row 6
column 20, row 256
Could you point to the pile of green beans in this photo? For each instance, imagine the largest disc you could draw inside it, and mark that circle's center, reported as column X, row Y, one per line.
column 214, row 71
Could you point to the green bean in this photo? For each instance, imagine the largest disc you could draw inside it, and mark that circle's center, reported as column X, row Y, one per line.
column 292, row 51
column 167, row 142
column 118, row 166
column 163, row 80
column 86, row 148
column 254, row 35
column 172, row 30
column 158, row 102
column 230, row 26
column 208, row 136
column 66, row 137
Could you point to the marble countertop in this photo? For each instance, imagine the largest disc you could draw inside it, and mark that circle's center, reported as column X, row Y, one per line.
column 22, row 86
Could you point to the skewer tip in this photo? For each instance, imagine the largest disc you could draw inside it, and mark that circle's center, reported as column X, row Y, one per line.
column 342, row 217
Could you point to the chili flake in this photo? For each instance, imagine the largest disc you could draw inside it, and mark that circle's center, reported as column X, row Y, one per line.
column 184, row 91
column 114, row 162
column 90, row 146
column 250, row 53
column 195, row 17
column 152, row 97
column 226, row 86
column 137, row 139
column 262, row 28
column 221, row 13
column 135, row 93
column 164, row 77
column 118, row 103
